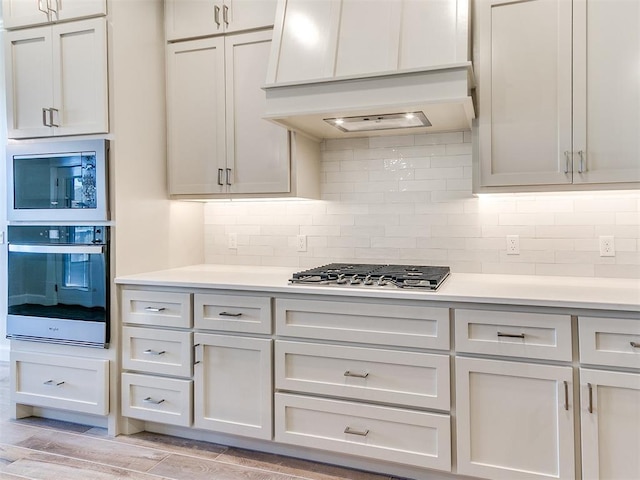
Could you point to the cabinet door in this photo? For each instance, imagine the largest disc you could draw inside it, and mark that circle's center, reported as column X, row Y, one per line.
column 515, row 420
column 524, row 80
column 248, row 14
column 606, row 93
column 80, row 99
column 70, row 9
column 195, row 116
column 28, row 82
column 192, row 18
column 19, row 13
column 233, row 385
column 257, row 150
column 610, row 417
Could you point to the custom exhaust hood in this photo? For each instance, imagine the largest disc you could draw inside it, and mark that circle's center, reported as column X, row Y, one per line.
column 343, row 68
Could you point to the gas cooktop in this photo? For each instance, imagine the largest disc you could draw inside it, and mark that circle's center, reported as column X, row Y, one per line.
column 374, row 275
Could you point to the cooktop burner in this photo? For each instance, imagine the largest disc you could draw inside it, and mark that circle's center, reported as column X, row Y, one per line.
column 380, row 275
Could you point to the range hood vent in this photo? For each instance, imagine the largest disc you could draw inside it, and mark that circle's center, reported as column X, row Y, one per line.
column 341, row 68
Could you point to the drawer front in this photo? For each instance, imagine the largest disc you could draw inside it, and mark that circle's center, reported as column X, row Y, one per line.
column 157, row 399
column 385, row 324
column 158, row 309
column 233, row 313
column 69, row 383
column 403, row 436
column 385, row 376
column 514, row 334
column 609, row 341
column 152, row 350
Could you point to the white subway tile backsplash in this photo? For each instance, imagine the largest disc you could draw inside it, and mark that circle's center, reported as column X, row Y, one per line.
column 408, row 199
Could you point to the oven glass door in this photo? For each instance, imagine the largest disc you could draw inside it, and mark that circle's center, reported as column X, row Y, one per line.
column 59, row 292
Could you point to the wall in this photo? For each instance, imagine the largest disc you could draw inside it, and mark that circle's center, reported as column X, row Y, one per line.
column 407, row 199
column 4, row 343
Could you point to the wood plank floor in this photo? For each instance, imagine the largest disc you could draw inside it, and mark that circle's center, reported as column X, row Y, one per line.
column 40, row 449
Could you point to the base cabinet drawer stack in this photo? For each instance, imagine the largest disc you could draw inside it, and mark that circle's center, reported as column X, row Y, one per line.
column 330, row 389
column 189, row 361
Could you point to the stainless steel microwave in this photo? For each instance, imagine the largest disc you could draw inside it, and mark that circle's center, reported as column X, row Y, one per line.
column 62, row 181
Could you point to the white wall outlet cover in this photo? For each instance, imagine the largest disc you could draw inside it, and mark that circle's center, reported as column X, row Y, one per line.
column 607, row 246
column 513, row 245
column 302, row 243
column 233, row 241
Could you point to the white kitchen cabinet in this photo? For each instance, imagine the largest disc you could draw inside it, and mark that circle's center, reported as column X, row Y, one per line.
column 315, row 40
column 610, row 417
column 233, row 385
column 56, row 79
column 25, row 13
column 200, row 18
column 218, row 144
column 514, row 420
column 556, row 108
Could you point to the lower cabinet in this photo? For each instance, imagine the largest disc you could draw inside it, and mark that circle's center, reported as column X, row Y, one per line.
column 514, row 420
column 77, row 384
column 397, row 435
column 610, row 421
column 233, row 385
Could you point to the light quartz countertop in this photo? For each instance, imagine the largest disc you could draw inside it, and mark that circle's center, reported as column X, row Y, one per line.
column 528, row 290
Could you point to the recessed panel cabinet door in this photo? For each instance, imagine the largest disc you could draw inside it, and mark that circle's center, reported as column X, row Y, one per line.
column 610, row 419
column 524, row 80
column 257, row 150
column 514, row 420
column 22, row 13
column 249, row 14
column 606, row 91
column 196, row 116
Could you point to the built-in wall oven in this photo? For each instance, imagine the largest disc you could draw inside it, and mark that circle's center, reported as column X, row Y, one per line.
column 58, row 243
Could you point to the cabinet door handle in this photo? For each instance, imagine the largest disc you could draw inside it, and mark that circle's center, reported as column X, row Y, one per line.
column 225, row 14
column 634, row 344
column 53, row 10
column 53, row 383
column 349, row 373
column 360, row 433
column 195, row 354
column 229, row 314
column 42, row 9
column 155, row 309
column 154, row 352
column 44, row 117
column 51, row 110
column 511, row 335
column 567, row 153
column 581, row 166
column 216, row 15
column 566, row 395
column 151, row 400
column 590, row 407
column 220, row 177
column 228, row 176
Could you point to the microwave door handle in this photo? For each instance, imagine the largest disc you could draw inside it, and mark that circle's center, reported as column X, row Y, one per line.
column 60, row 249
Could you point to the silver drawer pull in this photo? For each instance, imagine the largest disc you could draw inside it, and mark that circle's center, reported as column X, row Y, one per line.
column 511, row 335
column 634, row 344
column 151, row 400
column 155, row 309
column 228, row 314
column 154, row 352
column 590, row 408
column 357, row 375
column 53, row 383
column 360, row 433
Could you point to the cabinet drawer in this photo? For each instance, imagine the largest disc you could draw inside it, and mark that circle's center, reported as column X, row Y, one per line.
column 385, row 324
column 385, row 376
column 402, row 436
column 159, row 309
column 609, row 341
column 157, row 351
column 69, row 383
column 233, row 313
column 157, row 399
column 514, row 334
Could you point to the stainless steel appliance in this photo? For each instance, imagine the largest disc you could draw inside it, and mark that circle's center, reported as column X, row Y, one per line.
column 374, row 275
column 58, row 285
column 63, row 181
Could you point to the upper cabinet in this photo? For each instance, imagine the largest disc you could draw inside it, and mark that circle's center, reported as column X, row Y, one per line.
column 557, row 109
column 201, row 18
column 25, row 13
column 56, row 79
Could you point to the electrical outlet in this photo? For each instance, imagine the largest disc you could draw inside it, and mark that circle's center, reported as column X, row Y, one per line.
column 302, row 243
column 607, row 246
column 232, row 240
column 513, row 245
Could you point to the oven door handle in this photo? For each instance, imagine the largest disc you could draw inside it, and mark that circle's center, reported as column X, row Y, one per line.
column 88, row 249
